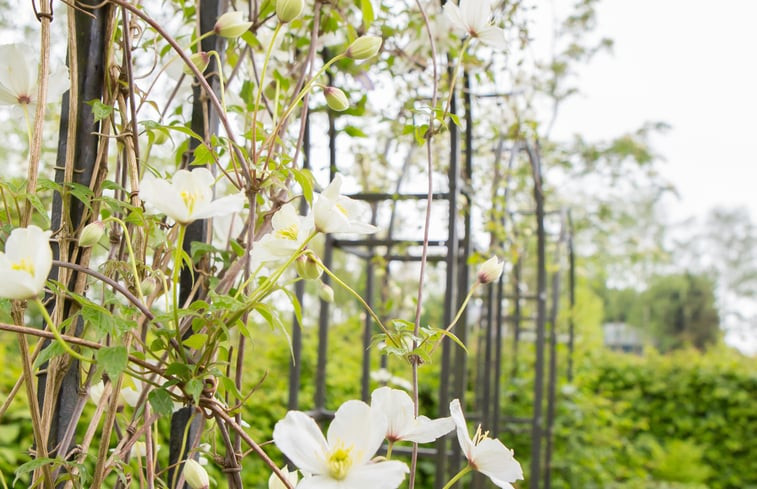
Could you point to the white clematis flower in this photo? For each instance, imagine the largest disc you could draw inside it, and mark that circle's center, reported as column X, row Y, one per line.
column 335, row 213
column 403, row 425
column 473, row 17
column 343, row 458
column 18, row 77
column 490, row 270
column 187, row 197
column 484, row 454
column 26, row 263
column 290, row 231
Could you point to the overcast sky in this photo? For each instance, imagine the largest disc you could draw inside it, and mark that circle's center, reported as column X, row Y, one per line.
column 692, row 64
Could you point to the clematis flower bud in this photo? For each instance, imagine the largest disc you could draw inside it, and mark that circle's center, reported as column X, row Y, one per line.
column 201, row 60
column 232, row 25
column 307, row 267
column 195, row 475
column 364, row 47
column 288, row 10
column 326, row 293
column 336, row 99
column 490, row 270
column 91, row 234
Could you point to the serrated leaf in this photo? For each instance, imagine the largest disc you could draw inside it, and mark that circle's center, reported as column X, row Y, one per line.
column 305, row 180
column 52, row 350
column 194, row 388
column 112, row 359
column 33, row 465
column 100, row 111
column 161, row 402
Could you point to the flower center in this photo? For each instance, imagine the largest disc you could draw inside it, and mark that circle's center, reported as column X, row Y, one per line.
column 24, row 99
column 24, row 266
column 339, row 463
column 480, row 435
column 289, row 233
column 190, row 199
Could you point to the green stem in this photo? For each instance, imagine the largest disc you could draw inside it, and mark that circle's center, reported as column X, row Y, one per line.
column 28, row 123
column 349, row 289
column 389, row 449
column 56, row 333
column 305, row 90
column 132, row 256
column 175, row 282
column 457, row 476
column 454, row 77
column 458, row 315
column 261, row 84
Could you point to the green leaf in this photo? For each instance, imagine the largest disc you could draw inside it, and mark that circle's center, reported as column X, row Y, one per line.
column 52, row 350
column 33, row 465
column 112, row 359
column 194, row 388
column 368, row 15
column 196, row 341
column 305, row 179
column 99, row 110
column 161, row 402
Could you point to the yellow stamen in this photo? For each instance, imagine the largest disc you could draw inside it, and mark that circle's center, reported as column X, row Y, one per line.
column 341, row 209
column 189, row 199
column 480, row 435
column 340, row 462
column 24, row 266
column 289, row 233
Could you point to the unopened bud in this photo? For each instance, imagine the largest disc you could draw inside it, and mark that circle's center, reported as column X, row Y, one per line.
column 201, row 60
column 232, row 25
column 91, row 234
column 490, row 270
column 336, row 99
column 326, row 293
column 307, row 267
column 148, row 286
column 364, row 47
column 288, row 10
column 195, row 475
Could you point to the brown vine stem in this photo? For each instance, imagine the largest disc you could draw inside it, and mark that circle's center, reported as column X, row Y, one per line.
column 45, row 17
column 200, row 79
column 426, row 227
column 217, row 411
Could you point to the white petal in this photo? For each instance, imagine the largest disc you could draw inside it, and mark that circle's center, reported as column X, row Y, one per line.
column 452, row 12
column 493, row 36
column 221, row 207
column 285, row 217
column 476, row 13
column 463, row 437
column 328, row 218
column 197, row 182
column 16, row 284
column 381, row 475
column 16, row 73
column 358, row 427
column 333, row 190
column 397, row 406
column 300, row 439
column 426, row 430
column 494, row 460
column 161, row 197
column 320, row 482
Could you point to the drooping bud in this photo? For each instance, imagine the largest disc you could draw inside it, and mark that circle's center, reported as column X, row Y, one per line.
column 326, row 293
column 364, row 47
column 490, row 270
column 201, row 60
column 195, row 475
column 275, row 483
column 91, row 234
column 148, row 286
column 336, row 99
column 288, row 10
column 232, row 25
column 307, row 267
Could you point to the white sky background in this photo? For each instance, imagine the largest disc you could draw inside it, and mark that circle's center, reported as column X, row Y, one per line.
column 692, row 64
